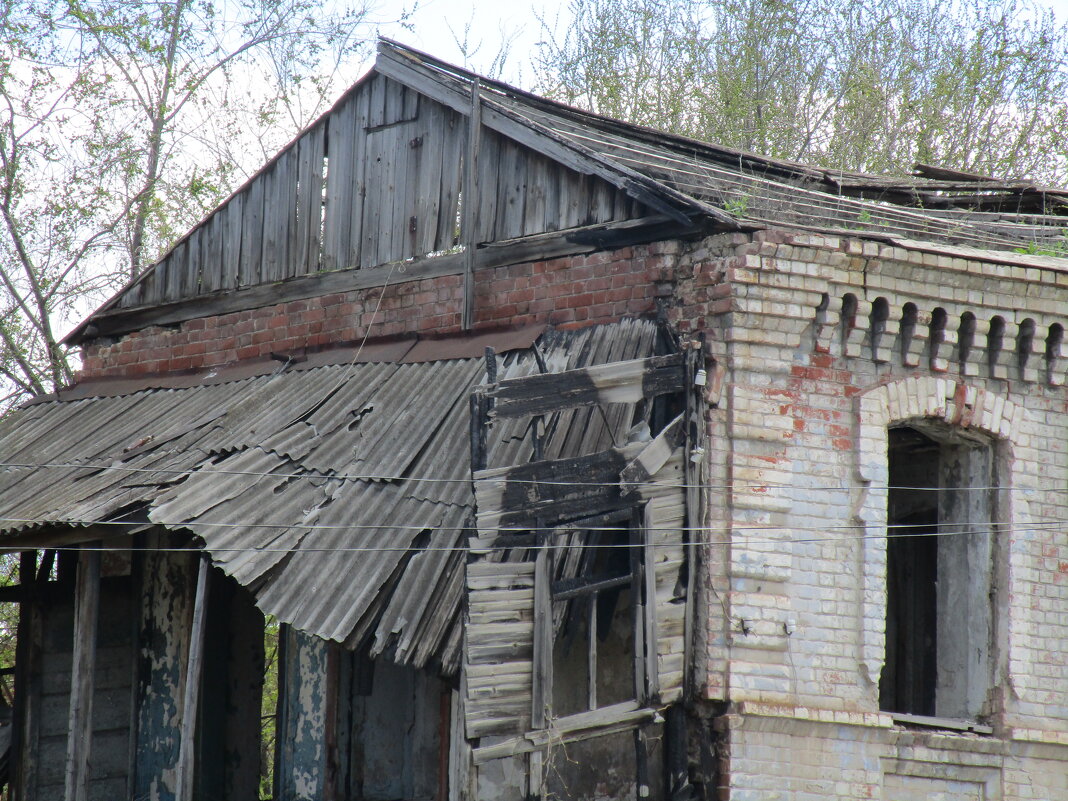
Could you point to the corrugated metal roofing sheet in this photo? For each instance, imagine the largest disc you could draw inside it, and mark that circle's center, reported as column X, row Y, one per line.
column 337, row 494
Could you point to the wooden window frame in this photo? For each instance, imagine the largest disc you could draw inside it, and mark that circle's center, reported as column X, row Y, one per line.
column 550, row 591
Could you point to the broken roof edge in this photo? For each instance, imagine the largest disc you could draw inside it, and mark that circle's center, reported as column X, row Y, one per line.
column 643, row 188
column 413, row 349
column 921, row 173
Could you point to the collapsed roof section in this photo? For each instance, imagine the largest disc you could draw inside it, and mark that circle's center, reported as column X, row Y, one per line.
column 385, row 178
column 338, row 494
column 935, row 203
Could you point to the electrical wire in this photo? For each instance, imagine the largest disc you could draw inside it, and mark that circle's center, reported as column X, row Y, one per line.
column 322, row 476
column 1039, row 523
column 749, row 543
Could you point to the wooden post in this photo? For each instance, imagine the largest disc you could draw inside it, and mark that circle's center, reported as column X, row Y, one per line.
column 23, row 721
column 693, row 518
column 469, row 223
column 191, row 696
column 86, row 617
column 543, row 653
column 637, row 556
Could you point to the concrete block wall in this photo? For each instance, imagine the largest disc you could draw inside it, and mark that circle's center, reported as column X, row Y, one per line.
column 826, row 342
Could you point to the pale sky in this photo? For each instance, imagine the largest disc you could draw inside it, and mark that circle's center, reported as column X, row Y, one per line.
column 491, row 22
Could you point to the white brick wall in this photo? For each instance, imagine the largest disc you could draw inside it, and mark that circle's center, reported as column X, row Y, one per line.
column 796, row 602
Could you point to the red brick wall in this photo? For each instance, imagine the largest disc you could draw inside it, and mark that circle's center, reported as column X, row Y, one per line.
column 576, row 290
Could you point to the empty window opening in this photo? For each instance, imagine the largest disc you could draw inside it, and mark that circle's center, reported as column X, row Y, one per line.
column 936, row 335
column 1054, row 343
column 1024, row 344
column 965, row 341
column 939, row 630
column 994, row 342
column 909, row 320
column 880, row 314
column 593, row 613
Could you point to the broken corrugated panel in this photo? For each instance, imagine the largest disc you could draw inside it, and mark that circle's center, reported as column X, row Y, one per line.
column 253, row 466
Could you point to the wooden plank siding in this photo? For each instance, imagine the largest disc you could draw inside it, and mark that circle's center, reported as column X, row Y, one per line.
column 501, row 628
column 499, row 647
column 376, row 180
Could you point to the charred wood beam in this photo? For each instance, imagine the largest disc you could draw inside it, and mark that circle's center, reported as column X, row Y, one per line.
column 566, row 589
column 555, row 491
column 619, row 382
column 527, row 539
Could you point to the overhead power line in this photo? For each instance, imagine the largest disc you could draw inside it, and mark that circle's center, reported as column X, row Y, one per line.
column 319, row 476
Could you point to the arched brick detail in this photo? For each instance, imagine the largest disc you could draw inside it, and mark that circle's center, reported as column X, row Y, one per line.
column 926, row 398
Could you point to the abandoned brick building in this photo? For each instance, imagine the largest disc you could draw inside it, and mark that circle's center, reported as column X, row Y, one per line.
column 575, row 460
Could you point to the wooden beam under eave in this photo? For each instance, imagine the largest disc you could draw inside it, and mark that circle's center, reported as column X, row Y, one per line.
column 535, row 247
column 83, row 674
column 469, row 224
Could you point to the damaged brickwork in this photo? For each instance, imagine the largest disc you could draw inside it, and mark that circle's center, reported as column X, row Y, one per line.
column 818, row 346
column 828, row 343
column 575, row 290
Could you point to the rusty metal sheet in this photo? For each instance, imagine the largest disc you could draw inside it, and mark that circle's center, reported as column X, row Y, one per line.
column 474, row 346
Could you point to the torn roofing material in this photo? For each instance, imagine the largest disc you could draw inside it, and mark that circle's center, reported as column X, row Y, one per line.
column 933, row 204
column 339, row 494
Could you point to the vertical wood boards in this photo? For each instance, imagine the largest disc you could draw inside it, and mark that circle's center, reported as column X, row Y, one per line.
column 377, row 181
column 166, row 600
column 340, row 136
column 211, row 252
column 487, row 179
column 306, row 246
column 83, row 675
column 279, row 213
column 376, row 173
column 191, row 690
column 499, row 648
column 231, row 239
column 300, row 765
column 431, row 144
column 251, row 258
column 452, row 130
column 358, row 181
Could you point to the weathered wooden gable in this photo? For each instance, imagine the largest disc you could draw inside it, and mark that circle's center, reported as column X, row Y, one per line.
column 379, row 179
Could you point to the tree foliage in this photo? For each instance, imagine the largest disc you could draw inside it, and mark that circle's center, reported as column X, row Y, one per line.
column 868, row 85
column 122, row 122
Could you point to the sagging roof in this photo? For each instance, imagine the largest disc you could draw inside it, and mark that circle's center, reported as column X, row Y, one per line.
column 935, row 203
column 376, row 183
column 338, row 494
